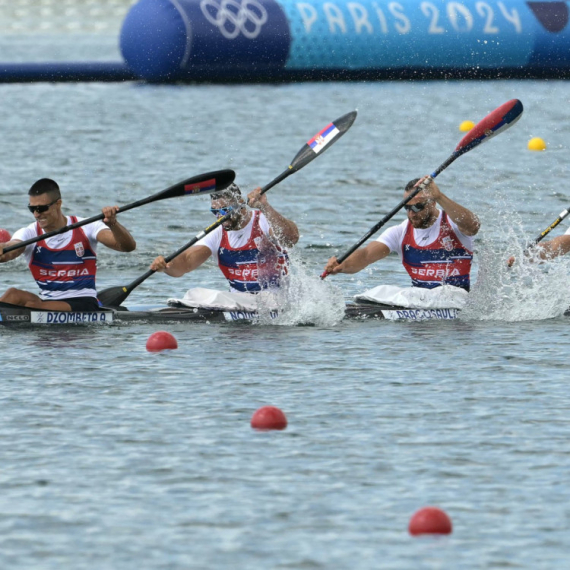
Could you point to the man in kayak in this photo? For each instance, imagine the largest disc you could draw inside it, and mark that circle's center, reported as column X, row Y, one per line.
column 249, row 247
column 435, row 245
column 64, row 266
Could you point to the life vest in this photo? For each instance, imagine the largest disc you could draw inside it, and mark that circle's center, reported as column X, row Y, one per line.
column 445, row 261
column 258, row 264
column 66, row 272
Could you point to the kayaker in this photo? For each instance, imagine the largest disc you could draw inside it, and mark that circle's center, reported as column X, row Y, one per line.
column 434, row 244
column 249, row 247
column 64, row 266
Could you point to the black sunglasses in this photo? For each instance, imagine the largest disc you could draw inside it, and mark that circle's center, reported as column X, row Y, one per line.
column 41, row 209
column 416, row 207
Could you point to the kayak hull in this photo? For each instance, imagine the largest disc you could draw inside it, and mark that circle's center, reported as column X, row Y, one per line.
column 14, row 315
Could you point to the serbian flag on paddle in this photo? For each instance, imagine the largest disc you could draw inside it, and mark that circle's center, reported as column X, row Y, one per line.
column 494, row 123
column 199, row 187
column 322, row 139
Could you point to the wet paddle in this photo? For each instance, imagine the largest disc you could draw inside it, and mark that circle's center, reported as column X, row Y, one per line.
column 115, row 296
column 323, row 140
column 543, row 234
column 197, row 185
column 540, row 236
column 494, row 123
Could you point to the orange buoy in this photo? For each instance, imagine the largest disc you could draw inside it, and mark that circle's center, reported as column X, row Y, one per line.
column 268, row 417
column 430, row 520
column 161, row 340
column 4, row 236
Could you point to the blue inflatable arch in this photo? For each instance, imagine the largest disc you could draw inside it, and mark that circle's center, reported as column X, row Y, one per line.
column 282, row 40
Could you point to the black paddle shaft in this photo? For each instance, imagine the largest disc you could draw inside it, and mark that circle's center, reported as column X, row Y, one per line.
column 393, row 212
column 114, row 296
column 494, row 123
column 543, row 234
column 47, row 235
column 218, row 180
column 389, row 216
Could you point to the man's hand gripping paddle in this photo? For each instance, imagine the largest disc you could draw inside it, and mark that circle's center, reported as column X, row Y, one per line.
column 323, row 140
column 197, row 185
column 494, row 123
column 540, row 236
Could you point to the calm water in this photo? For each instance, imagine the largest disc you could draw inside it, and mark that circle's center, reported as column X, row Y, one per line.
column 117, row 458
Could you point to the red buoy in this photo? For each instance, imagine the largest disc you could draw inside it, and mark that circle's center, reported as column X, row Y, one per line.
column 4, row 236
column 161, row 340
column 430, row 520
column 268, row 417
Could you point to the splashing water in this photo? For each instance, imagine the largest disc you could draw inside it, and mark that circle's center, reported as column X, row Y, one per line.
column 303, row 299
column 529, row 290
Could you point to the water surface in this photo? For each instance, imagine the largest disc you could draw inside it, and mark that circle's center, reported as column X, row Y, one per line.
column 118, row 458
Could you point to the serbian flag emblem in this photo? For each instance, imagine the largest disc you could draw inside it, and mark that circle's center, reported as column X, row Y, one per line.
column 322, row 139
column 199, row 187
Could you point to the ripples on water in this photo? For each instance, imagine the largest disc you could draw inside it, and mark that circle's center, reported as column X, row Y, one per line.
column 118, row 458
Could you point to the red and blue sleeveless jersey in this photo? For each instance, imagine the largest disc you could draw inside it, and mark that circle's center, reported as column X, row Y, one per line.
column 445, row 261
column 66, row 272
column 257, row 265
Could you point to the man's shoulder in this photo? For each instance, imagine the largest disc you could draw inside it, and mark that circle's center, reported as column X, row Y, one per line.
column 91, row 229
column 263, row 222
column 398, row 228
column 451, row 223
column 26, row 232
column 393, row 236
column 211, row 240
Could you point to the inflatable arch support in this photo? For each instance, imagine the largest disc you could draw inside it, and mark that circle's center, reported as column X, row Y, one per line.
column 281, row 40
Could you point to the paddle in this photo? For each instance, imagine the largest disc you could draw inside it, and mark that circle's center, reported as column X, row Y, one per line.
column 115, row 296
column 323, row 140
column 197, row 185
column 540, row 236
column 494, row 123
column 543, row 234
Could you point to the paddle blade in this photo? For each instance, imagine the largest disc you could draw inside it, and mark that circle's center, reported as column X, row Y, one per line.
column 494, row 123
column 323, row 140
column 202, row 184
column 113, row 296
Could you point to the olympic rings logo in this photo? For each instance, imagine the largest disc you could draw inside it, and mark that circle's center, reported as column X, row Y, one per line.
column 233, row 17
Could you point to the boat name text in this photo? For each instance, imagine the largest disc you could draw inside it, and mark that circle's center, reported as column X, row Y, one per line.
column 64, row 317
